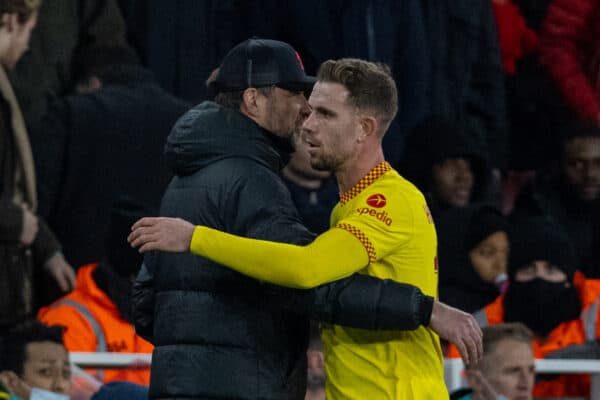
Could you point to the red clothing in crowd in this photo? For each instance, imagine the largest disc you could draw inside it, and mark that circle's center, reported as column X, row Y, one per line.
column 516, row 39
column 570, row 49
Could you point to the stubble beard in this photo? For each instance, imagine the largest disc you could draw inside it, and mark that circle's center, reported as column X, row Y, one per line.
column 323, row 164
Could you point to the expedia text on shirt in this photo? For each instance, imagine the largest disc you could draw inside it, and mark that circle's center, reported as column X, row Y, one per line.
column 380, row 215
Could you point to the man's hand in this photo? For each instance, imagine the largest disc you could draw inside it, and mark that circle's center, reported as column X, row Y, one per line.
column 459, row 328
column 30, row 227
column 15, row 385
column 61, row 271
column 164, row 234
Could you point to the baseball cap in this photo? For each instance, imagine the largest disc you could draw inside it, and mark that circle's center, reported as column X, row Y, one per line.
column 260, row 62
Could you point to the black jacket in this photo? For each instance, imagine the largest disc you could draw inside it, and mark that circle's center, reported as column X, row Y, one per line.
column 217, row 333
column 95, row 148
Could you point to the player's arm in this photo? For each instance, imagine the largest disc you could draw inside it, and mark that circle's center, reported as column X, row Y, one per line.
column 331, row 256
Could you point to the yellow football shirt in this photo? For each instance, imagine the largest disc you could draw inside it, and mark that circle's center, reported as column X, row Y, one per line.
column 391, row 219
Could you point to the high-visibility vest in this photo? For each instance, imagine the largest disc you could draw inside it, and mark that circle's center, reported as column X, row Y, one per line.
column 93, row 324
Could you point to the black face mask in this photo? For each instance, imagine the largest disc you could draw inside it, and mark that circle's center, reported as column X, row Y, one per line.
column 541, row 305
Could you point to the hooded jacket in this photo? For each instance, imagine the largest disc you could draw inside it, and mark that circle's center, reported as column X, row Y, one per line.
column 219, row 334
column 434, row 140
column 460, row 285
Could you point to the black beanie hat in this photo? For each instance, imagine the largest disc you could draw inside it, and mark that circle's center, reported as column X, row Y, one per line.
column 539, row 238
column 485, row 221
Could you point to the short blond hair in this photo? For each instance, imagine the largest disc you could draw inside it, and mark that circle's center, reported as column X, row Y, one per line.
column 370, row 85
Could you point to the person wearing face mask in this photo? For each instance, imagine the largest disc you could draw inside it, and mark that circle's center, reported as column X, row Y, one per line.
column 97, row 313
column 34, row 363
column 551, row 298
column 472, row 252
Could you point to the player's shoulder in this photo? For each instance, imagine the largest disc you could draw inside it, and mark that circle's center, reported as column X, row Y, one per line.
column 396, row 189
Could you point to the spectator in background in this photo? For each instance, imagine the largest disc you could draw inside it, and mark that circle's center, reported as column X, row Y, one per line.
column 445, row 165
column 34, row 361
column 93, row 146
column 472, row 254
column 467, row 81
column 570, row 49
column 547, row 295
column 569, row 193
column 507, row 369
column 97, row 313
column 65, row 27
column 314, row 192
column 27, row 246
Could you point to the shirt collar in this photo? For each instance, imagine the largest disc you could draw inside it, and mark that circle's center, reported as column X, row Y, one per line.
column 365, row 181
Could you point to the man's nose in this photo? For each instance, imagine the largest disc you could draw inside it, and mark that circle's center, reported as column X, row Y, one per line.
column 308, row 124
column 61, row 385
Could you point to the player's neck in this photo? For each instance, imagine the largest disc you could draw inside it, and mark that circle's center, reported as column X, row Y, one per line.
column 354, row 170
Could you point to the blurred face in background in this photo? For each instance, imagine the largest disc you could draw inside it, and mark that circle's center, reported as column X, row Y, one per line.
column 581, row 167
column 47, row 367
column 452, row 182
column 510, row 370
column 14, row 38
column 490, row 257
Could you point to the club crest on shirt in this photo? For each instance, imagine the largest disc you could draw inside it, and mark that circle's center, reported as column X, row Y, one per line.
column 377, row 200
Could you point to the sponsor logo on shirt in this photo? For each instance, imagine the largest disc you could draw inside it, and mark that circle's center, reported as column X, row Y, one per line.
column 377, row 200
column 380, row 215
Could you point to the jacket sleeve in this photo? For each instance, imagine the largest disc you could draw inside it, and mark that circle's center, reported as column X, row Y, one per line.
column 562, row 35
column 11, row 220
column 359, row 301
column 142, row 303
column 45, row 244
column 284, row 264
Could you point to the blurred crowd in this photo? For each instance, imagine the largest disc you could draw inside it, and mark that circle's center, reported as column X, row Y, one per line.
column 498, row 125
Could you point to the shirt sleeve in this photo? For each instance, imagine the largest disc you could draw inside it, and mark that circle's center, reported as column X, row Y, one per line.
column 333, row 255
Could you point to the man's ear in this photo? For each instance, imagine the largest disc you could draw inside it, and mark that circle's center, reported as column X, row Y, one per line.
column 249, row 101
column 369, row 126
